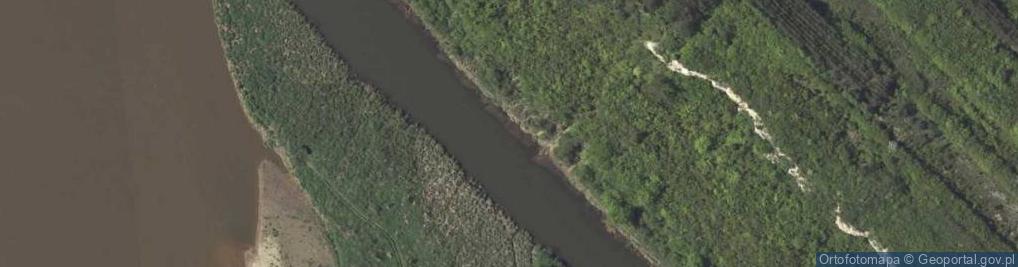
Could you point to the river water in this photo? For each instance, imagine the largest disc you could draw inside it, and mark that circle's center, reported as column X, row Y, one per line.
column 392, row 53
column 124, row 141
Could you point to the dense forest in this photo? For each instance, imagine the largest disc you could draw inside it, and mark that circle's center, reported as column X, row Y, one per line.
column 899, row 113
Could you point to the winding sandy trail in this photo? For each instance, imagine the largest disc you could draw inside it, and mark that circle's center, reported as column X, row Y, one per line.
column 851, row 230
column 776, row 157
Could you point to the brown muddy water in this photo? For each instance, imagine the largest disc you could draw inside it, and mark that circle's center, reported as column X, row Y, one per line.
column 123, row 140
column 389, row 51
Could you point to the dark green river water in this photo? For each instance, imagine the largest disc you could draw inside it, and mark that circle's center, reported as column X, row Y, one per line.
column 389, row 51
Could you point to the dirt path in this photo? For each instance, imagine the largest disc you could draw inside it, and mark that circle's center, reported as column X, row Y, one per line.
column 852, row 231
column 776, row 157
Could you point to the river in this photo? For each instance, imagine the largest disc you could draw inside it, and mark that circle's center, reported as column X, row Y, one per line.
column 389, row 51
column 124, row 141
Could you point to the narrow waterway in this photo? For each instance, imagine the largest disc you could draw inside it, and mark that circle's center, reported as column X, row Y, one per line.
column 389, row 51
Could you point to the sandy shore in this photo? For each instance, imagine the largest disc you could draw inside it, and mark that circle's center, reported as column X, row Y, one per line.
column 290, row 231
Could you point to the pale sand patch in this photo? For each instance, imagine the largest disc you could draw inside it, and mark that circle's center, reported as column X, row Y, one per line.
column 758, row 126
column 290, row 232
column 852, row 231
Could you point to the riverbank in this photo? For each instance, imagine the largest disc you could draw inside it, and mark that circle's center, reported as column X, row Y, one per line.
column 290, row 231
column 390, row 194
column 671, row 158
column 527, row 130
column 388, row 51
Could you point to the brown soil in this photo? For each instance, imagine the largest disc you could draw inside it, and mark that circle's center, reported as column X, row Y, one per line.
column 290, row 231
column 124, row 141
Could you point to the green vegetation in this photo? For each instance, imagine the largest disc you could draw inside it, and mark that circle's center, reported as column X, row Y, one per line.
column 389, row 193
column 899, row 112
column 963, row 121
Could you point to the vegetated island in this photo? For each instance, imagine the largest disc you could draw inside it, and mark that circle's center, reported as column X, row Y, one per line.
column 760, row 132
column 387, row 192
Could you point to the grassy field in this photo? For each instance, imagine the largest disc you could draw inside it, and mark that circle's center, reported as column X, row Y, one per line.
column 388, row 192
column 899, row 112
